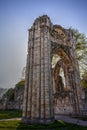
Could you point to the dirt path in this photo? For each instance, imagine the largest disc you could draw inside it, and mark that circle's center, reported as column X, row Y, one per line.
column 10, row 119
column 71, row 120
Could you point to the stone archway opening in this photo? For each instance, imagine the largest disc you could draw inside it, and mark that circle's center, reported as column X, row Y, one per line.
column 56, row 59
column 61, row 86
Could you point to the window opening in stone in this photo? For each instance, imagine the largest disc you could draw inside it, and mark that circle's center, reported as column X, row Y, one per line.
column 63, row 77
column 55, row 60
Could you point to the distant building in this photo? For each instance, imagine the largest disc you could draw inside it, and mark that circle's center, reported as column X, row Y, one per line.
column 2, row 92
column 3, row 102
column 15, row 101
column 18, row 98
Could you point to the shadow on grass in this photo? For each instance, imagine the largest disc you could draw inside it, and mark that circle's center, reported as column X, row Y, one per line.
column 57, row 125
column 7, row 114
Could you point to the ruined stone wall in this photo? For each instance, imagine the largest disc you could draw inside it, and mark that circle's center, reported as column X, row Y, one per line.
column 45, row 40
column 63, row 44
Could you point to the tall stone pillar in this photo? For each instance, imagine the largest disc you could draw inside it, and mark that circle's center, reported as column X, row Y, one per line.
column 38, row 104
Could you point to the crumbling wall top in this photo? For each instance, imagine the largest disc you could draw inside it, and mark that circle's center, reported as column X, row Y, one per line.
column 43, row 20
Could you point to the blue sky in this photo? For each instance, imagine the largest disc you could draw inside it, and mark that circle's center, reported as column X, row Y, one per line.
column 16, row 16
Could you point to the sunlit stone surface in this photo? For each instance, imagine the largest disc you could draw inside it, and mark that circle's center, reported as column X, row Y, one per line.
column 47, row 92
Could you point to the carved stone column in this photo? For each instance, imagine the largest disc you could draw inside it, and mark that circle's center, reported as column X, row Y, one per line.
column 38, row 104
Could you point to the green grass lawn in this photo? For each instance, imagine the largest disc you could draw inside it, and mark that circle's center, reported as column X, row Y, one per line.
column 18, row 125
column 57, row 125
column 7, row 114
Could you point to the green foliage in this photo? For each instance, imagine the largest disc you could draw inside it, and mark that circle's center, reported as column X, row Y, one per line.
column 10, row 94
column 7, row 114
column 81, row 40
column 84, row 80
column 20, row 84
column 81, row 48
column 4, row 116
column 9, row 124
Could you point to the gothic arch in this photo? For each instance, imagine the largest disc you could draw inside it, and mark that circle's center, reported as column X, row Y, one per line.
column 45, row 40
column 61, row 90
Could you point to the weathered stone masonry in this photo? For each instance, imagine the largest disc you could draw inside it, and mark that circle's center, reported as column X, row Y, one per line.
column 45, row 40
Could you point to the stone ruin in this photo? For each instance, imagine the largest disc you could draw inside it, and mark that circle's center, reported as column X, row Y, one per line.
column 45, row 93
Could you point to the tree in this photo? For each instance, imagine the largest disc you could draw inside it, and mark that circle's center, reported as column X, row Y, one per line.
column 84, row 80
column 81, row 48
column 10, row 94
column 20, row 84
